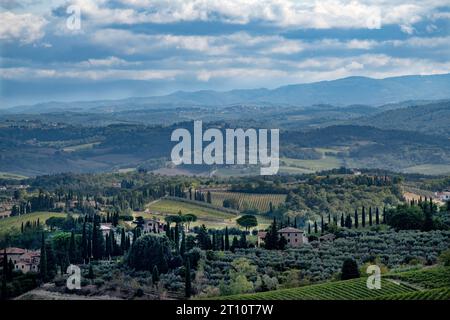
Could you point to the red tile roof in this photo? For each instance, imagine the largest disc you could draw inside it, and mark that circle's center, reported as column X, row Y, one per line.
column 290, row 230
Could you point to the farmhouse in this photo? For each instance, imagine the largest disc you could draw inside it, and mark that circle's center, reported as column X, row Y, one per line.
column 106, row 228
column 327, row 237
column 152, row 225
column 260, row 238
column 444, row 195
column 294, row 237
column 4, row 213
column 24, row 260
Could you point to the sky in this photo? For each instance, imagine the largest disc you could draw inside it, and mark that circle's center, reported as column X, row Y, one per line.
column 99, row 49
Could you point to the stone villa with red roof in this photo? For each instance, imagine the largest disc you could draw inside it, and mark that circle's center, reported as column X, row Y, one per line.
column 294, row 237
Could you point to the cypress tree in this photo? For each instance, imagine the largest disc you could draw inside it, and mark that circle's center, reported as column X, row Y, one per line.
column 309, row 227
column 183, row 244
column 188, row 285
column 349, row 270
column 155, row 275
column 384, row 215
column 348, row 221
column 214, row 242
column 10, row 270
column 377, row 216
column 128, row 244
column 84, row 244
column 89, row 246
column 108, row 247
column 370, row 216
column 243, row 241
column 428, row 223
column 122, row 241
column 356, row 219
column 322, row 225
column 227, row 239
column 315, row 227
column 342, row 221
column 234, row 244
column 4, row 293
column 363, row 222
column 43, row 260
column 72, row 249
column 91, row 274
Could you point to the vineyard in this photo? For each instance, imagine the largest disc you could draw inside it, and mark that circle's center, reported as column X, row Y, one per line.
column 427, row 279
column 434, row 294
column 248, row 200
column 355, row 289
column 424, row 284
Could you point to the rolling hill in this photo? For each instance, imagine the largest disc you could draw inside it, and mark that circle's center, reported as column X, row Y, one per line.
column 341, row 92
column 432, row 118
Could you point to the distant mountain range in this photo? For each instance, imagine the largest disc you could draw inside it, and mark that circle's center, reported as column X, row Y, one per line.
column 341, row 92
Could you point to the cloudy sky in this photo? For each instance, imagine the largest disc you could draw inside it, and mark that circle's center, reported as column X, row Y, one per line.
column 123, row 48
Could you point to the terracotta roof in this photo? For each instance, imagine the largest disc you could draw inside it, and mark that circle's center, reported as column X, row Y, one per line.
column 262, row 234
column 13, row 251
column 290, row 230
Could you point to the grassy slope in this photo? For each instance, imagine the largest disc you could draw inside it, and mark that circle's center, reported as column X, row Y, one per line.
column 16, row 222
column 208, row 216
column 7, row 175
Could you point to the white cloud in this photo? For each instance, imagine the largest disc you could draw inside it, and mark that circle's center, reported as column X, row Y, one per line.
column 107, row 62
column 287, row 13
column 25, row 28
column 22, row 73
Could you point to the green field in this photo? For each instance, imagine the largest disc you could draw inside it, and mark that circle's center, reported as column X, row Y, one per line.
column 15, row 222
column 80, row 147
column 248, row 200
column 210, row 217
column 7, row 175
column 432, row 169
column 290, row 165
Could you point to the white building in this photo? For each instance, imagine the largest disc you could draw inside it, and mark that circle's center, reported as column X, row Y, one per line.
column 443, row 196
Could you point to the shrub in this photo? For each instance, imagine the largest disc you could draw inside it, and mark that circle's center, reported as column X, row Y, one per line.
column 349, row 270
column 444, row 258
